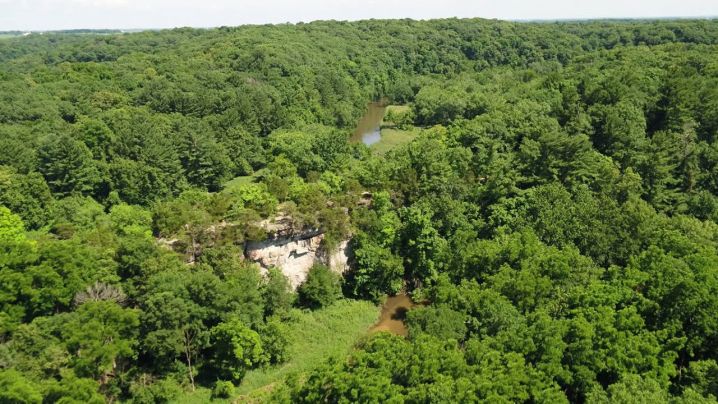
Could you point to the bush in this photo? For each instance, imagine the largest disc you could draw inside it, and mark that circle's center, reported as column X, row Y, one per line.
column 274, row 340
column 16, row 388
column 277, row 293
column 235, row 348
column 321, row 289
column 441, row 322
column 160, row 391
column 223, row 389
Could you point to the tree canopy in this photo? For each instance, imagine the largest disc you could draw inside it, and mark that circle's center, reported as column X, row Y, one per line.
column 553, row 211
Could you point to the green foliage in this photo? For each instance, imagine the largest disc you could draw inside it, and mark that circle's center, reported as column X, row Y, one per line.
column 440, row 322
column 424, row 248
column 378, row 271
column 72, row 389
column 277, row 293
column 632, row 389
column 426, row 370
column 99, row 334
column 205, row 161
column 235, row 349
column 75, row 213
column 400, row 116
column 703, row 377
column 321, row 288
column 145, row 391
column 11, row 227
column 554, row 212
column 256, row 197
column 127, row 219
column 16, row 389
column 435, row 105
column 275, row 340
column 67, row 166
column 28, row 196
column 44, row 280
column 223, row 389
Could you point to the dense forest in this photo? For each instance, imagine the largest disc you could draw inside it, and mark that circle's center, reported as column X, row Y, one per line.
column 555, row 215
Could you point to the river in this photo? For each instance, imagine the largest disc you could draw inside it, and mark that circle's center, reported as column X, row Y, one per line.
column 393, row 314
column 368, row 130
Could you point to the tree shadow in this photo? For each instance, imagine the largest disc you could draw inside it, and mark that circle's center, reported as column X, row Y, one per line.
column 400, row 313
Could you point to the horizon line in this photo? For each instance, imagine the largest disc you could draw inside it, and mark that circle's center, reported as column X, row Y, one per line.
column 521, row 20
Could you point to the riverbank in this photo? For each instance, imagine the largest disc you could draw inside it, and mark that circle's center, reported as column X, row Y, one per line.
column 391, row 138
column 368, row 129
column 382, row 136
column 315, row 336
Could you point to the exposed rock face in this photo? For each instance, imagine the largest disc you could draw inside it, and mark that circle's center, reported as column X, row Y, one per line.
column 293, row 256
column 294, row 251
column 283, row 226
column 291, row 249
column 338, row 260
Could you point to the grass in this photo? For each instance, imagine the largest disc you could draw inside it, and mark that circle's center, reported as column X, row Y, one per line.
column 315, row 336
column 397, row 108
column 241, row 180
column 237, row 181
column 200, row 396
column 392, row 138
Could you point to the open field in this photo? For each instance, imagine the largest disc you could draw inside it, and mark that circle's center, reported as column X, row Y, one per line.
column 315, row 336
column 241, row 180
column 392, row 138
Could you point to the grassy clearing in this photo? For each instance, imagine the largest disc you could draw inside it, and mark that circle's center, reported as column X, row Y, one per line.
column 397, row 109
column 237, row 181
column 200, row 396
column 392, row 138
column 315, row 336
column 241, row 180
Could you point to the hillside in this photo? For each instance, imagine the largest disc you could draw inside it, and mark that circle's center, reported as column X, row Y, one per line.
column 545, row 193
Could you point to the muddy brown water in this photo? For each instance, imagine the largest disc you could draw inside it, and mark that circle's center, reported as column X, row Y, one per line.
column 368, row 130
column 393, row 314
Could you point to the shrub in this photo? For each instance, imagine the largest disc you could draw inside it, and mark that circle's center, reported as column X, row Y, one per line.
column 321, row 289
column 223, row 389
column 151, row 392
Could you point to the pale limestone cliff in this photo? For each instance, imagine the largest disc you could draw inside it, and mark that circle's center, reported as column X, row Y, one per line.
column 296, row 256
column 294, row 251
column 293, row 256
column 339, row 259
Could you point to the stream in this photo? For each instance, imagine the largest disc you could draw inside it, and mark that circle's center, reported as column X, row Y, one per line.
column 368, row 129
column 393, row 314
column 394, row 309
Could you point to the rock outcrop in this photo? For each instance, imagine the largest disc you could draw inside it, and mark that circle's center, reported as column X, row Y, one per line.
column 294, row 251
column 291, row 249
column 338, row 260
column 293, row 256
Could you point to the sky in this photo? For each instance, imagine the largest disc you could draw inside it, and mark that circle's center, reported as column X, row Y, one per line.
column 74, row 14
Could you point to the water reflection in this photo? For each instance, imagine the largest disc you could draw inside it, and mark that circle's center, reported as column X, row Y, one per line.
column 368, row 130
column 393, row 314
